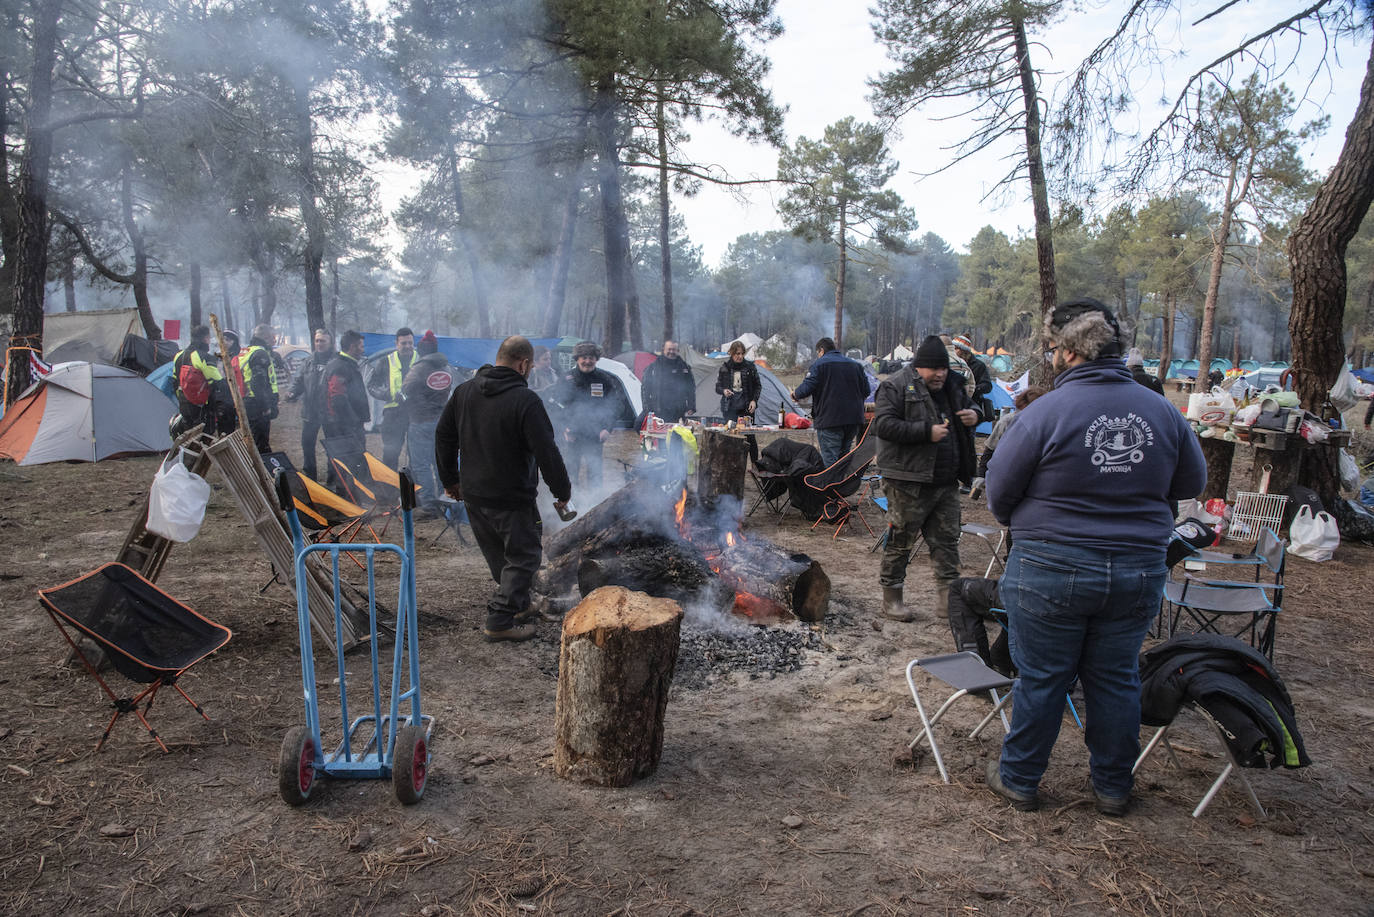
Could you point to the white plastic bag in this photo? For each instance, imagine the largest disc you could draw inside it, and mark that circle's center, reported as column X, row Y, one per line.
column 1342, row 394
column 177, row 501
column 1350, row 471
column 1215, row 406
column 1313, row 537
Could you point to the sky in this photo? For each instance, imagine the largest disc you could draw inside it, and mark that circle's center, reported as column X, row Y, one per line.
column 827, row 53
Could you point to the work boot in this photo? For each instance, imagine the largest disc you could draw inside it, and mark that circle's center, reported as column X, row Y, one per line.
column 893, row 609
column 1021, row 802
column 515, row 633
column 942, row 601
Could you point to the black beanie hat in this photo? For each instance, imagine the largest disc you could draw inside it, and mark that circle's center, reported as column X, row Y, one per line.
column 932, row 354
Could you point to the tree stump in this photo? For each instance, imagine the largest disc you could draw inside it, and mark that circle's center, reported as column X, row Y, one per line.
column 720, row 465
column 1219, row 454
column 615, row 666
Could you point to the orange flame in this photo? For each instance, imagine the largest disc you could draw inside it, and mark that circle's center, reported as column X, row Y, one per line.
column 730, row 539
column 680, row 514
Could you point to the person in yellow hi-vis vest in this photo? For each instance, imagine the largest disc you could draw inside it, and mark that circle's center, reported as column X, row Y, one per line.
column 385, row 385
column 257, row 381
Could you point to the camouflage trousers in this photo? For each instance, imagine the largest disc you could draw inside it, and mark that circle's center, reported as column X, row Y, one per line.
column 914, row 510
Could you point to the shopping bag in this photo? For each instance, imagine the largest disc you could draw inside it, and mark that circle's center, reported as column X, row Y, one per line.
column 1215, row 406
column 1312, row 537
column 1350, row 471
column 1342, row 396
column 177, row 501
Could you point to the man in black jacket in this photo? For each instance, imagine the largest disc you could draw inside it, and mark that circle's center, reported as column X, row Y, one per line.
column 425, row 392
column 346, row 409
column 837, row 387
column 669, row 390
column 310, row 388
column 924, row 422
column 504, row 438
column 592, row 405
column 1135, row 362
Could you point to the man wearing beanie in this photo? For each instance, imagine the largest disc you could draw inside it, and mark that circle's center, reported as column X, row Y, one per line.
column 1085, row 479
column 426, row 389
column 592, row 407
column 925, row 448
column 1135, row 362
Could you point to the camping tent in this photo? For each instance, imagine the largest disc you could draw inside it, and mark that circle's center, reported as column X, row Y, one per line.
column 774, row 393
column 749, row 339
column 85, row 412
column 900, row 354
column 637, row 360
column 96, row 336
column 1001, row 397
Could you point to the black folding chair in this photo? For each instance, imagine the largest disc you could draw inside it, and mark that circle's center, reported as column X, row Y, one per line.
column 770, row 486
column 843, row 480
column 149, row 637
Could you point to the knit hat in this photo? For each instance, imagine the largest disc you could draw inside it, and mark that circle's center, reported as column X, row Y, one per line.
column 427, row 345
column 1135, row 357
column 962, row 342
column 586, row 349
column 931, row 354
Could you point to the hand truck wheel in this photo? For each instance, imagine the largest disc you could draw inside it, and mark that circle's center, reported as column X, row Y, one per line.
column 410, row 764
column 296, row 766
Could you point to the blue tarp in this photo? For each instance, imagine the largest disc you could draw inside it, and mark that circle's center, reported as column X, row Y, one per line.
column 164, row 380
column 1364, row 375
column 463, row 353
column 1000, row 398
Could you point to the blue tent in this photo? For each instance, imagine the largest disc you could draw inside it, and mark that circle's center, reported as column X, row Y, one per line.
column 1001, row 398
column 1364, row 375
column 463, row 353
column 164, row 380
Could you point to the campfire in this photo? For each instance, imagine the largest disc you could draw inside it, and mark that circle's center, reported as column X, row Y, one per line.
column 667, row 544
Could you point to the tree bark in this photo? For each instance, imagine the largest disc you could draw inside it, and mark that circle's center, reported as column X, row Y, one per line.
column 615, row 668
column 1220, row 238
column 720, row 465
column 268, row 304
column 313, row 256
column 69, row 280
column 840, row 277
column 139, row 278
column 31, row 227
column 465, row 239
column 1040, row 196
column 1316, row 257
column 195, row 294
column 1166, row 347
column 664, row 224
column 613, row 224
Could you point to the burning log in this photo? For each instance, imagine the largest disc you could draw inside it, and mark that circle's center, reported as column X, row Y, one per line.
column 770, row 583
column 636, row 501
column 615, row 666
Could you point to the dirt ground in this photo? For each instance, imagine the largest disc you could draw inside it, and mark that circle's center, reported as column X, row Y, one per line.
column 788, row 794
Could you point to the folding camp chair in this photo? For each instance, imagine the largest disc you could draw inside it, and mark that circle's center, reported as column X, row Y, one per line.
column 966, row 674
column 841, row 481
column 985, row 532
column 1161, row 737
column 1216, row 605
column 455, row 514
column 770, row 486
column 148, row 636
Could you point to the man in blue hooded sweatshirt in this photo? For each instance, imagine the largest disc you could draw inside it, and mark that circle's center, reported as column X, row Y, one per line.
column 1085, row 480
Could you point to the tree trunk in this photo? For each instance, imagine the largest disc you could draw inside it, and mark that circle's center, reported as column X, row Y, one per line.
column 840, row 277
column 1166, row 347
column 615, row 668
column 1040, row 196
column 139, row 278
column 1316, row 257
column 562, row 261
column 720, row 465
column 664, row 224
column 465, row 239
column 226, row 306
column 1220, row 238
column 313, row 256
column 69, row 281
column 268, row 286
column 613, row 224
column 195, row 293
column 333, row 299
column 31, row 227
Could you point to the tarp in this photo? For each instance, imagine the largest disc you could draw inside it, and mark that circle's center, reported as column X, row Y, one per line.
column 463, row 353
column 749, row 339
column 1364, row 375
column 637, row 360
column 1001, row 397
column 901, row 353
column 143, row 356
column 774, row 393
column 93, row 337
column 85, row 412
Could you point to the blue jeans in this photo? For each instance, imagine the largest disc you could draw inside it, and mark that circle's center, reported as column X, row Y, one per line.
column 420, row 443
column 1077, row 613
column 835, row 442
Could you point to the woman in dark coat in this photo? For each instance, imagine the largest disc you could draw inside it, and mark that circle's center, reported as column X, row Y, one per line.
column 738, row 385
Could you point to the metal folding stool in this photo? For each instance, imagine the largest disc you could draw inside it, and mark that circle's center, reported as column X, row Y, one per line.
column 966, row 673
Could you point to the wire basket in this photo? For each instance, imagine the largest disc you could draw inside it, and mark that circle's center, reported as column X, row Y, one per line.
column 1254, row 513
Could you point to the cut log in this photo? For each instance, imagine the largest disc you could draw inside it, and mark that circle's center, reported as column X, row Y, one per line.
column 615, row 666
column 772, row 584
column 639, row 500
column 720, row 466
column 559, row 574
column 1219, row 453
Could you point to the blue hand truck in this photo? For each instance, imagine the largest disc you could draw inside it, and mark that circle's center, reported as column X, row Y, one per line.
column 397, row 746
